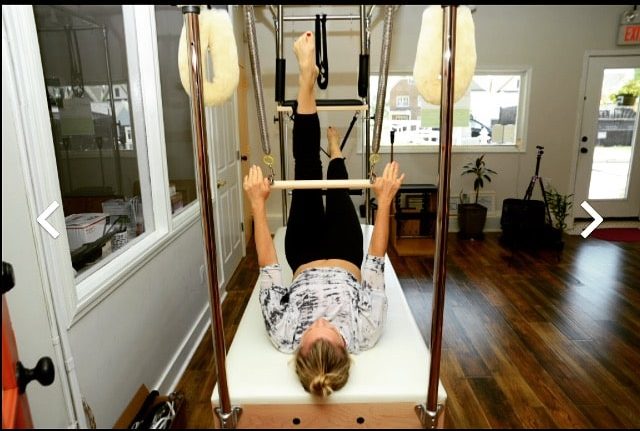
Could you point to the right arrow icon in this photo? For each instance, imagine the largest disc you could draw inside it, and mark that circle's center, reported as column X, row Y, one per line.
column 597, row 219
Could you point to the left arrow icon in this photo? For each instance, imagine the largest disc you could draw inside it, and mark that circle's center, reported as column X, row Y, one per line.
column 42, row 219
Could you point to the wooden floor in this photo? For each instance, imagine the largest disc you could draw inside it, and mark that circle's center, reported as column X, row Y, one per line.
column 530, row 339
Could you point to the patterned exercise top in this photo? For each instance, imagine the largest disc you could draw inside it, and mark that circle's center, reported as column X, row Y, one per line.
column 357, row 310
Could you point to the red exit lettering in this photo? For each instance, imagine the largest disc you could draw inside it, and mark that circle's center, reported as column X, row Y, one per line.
column 632, row 33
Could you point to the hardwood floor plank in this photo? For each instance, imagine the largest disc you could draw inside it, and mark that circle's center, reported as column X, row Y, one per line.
column 602, row 417
column 495, row 404
column 518, row 353
column 571, row 378
column 621, row 399
column 462, row 409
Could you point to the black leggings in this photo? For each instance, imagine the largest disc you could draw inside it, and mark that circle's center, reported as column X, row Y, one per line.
column 312, row 232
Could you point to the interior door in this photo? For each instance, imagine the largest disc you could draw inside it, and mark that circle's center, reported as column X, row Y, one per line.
column 15, row 406
column 223, row 144
column 15, row 377
column 608, row 170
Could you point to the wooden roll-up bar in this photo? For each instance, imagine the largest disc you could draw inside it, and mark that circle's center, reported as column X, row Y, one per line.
column 227, row 414
column 322, row 184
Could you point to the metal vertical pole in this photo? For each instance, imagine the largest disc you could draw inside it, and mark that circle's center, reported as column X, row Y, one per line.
column 281, row 129
column 382, row 80
column 114, row 132
column 383, row 74
column 366, row 119
column 228, row 416
column 363, row 29
column 430, row 414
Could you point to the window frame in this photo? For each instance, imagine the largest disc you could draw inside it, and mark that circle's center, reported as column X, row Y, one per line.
column 520, row 146
column 76, row 297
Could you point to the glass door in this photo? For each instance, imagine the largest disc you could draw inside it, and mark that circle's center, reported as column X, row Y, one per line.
column 608, row 173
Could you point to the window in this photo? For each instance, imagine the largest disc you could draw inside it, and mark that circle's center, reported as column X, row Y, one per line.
column 129, row 31
column 84, row 61
column 489, row 114
column 402, row 101
column 176, row 111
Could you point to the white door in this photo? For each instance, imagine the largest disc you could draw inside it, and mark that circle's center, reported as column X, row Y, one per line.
column 224, row 148
column 608, row 166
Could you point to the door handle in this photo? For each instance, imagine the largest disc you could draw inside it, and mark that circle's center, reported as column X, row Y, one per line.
column 8, row 280
column 221, row 183
column 43, row 373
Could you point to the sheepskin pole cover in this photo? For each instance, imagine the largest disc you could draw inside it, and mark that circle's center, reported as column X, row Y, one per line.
column 216, row 36
column 428, row 64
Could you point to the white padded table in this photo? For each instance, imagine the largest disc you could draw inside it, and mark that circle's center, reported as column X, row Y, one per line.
column 385, row 383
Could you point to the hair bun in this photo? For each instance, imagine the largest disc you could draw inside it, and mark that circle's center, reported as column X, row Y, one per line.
column 321, row 385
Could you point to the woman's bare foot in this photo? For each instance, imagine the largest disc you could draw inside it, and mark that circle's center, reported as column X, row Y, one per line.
column 305, row 49
column 334, row 143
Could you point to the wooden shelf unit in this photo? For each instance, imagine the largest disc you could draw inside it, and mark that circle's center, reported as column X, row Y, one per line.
column 414, row 220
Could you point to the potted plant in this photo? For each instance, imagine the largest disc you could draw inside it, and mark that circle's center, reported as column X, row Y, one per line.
column 559, row 206
column 627, row 94
column 473, row 216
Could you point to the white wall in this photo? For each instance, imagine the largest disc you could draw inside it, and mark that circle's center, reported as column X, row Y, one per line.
column 145, row 331
column 550, row 40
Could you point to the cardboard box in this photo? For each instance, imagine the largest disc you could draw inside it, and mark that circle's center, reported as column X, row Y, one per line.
column 132, row 408
column 137, row 403
column 84, row 228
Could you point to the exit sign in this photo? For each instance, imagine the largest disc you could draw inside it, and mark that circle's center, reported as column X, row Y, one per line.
column 629, row 34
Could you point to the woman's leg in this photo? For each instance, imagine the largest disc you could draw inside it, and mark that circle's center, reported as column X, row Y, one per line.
column 305, row 226
column 344, row 234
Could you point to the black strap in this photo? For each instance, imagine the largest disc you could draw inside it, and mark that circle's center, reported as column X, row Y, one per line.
column 346, row 136
column 322, row 60
column 77, row 80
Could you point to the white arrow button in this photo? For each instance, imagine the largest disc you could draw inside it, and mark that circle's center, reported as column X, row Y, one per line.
column 597, row 219
column 42, row 219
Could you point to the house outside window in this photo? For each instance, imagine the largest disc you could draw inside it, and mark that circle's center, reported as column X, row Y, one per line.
column 489, row 114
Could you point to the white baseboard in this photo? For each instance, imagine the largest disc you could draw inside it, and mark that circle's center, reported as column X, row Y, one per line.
column 180, row 361
column 492, row 224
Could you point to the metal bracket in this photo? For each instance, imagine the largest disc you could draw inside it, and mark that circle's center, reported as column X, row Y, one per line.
column 228, row 420
column 428, row 419
column 189, row 8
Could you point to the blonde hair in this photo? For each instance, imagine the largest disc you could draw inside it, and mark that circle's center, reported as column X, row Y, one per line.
column 324, row 369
